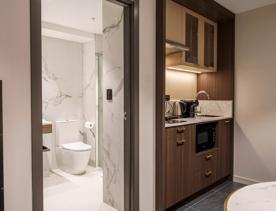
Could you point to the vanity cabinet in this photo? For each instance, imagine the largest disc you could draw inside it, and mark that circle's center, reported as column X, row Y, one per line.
column 178, row 163
column 196, row 32
column 225, row 141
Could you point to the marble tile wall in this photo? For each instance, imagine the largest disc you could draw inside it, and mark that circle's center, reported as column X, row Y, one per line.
column 69, row 89
column 62, row 65
column 113, row 111
column 216, row 107
column 89, row 95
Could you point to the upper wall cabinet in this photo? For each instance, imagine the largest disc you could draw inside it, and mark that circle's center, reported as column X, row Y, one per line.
column 196, row 33
column 175, row 23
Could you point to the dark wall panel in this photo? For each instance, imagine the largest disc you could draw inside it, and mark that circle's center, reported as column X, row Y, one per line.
column 209, row 9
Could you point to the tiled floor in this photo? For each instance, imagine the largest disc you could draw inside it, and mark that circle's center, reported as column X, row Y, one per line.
column 212, row 200
column 68, row 192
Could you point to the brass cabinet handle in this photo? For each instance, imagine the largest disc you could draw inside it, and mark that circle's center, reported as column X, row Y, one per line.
column 180, row 129
column 208, row 173
column 180, row 142
column 227, row 121
column 209, row 157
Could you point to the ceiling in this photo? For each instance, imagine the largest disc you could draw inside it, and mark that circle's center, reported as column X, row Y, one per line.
column 83, row 15
column 239, row 6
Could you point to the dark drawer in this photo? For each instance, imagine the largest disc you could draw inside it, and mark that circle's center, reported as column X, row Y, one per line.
column 205, row 169
column 203, row 179
column 206, row 160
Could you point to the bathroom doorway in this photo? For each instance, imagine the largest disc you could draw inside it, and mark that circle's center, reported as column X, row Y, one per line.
column 89, row 105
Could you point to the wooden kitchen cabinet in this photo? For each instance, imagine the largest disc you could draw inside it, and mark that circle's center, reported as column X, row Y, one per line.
column 209, row 45
column 204, row 169
column 225, row 141
column 175, row 22
column 192, row 38
column 179, row 163
column 196, row 32
column 188, row 172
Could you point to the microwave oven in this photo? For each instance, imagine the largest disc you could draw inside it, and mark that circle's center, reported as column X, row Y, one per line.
column 206, row 136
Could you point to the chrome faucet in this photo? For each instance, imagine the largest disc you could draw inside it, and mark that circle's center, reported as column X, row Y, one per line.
column 202, row 92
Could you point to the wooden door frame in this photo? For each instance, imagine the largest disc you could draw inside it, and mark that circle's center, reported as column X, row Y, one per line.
column 131, row 143
column 160, row 107
column 1, row 153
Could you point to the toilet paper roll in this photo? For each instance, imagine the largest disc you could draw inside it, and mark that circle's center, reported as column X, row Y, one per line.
column 89, row 125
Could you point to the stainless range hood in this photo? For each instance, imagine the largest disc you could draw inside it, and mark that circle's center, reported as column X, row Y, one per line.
column 175, row 47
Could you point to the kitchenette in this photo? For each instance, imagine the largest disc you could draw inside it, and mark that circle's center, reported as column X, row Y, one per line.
column 198, row 109
column 199, row 148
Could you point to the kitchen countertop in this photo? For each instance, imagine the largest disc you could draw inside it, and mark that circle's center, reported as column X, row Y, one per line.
column 196, row 120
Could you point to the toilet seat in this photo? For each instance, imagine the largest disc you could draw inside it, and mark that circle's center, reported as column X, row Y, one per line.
column 77, row 146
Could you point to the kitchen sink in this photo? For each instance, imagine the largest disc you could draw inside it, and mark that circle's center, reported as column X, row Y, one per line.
column 206, row 115
column 174, row 121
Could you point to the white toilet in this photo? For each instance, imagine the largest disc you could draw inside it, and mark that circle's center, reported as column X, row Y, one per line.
column 72, row 154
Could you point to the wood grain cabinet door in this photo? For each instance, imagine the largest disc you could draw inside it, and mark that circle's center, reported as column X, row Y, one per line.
column 191, row 30
column 210, row 45
column 175, row 22
column 225, row 142
column 178, row 164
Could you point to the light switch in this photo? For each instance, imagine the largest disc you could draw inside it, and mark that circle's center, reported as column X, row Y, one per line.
column 109, row 94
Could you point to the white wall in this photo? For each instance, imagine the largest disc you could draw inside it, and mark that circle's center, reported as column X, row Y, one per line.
column 62, row 74
column 255, row 134
column 147, row 105
column 15, row 73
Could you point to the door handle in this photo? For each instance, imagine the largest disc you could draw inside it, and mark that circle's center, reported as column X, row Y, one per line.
column 227, row 121
column 180, row 129
column 208, row 157
column 180, row 142
column 208, row 173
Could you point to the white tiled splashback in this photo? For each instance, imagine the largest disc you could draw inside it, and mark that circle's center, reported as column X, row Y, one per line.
column 215, row 107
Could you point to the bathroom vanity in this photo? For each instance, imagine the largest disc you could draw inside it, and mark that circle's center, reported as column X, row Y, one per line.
column 47, row 127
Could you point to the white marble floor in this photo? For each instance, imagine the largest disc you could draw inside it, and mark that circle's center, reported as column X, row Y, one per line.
column 68, row 192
